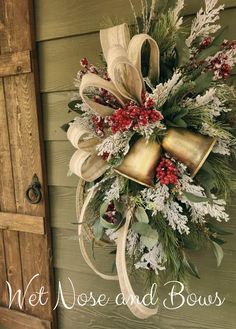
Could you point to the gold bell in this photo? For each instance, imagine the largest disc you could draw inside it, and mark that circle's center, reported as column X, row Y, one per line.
column 188, row 147
column 141, row 161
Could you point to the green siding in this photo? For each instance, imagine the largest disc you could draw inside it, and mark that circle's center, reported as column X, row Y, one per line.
column 66, row 31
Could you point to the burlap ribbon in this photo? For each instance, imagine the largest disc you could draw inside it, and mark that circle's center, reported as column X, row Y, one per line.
column 123, row 58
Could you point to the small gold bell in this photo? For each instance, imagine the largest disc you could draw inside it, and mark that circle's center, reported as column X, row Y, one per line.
column 188, row 147
column 141, row 161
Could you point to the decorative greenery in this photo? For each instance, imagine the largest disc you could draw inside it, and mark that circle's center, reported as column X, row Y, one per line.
column 179, row 213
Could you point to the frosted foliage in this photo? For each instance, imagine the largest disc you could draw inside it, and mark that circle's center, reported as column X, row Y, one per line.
column 205, row 22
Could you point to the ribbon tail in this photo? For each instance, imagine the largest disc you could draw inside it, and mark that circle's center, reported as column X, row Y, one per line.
column 139, row 310
column 82, row 222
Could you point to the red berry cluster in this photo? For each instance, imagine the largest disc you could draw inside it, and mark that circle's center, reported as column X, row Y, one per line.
column 106, row 98
column 87, row 67
column 220, row 66
column 205, row 43
column 110, row 215
column 167, row 172
column 99, row 126
column 132, row 116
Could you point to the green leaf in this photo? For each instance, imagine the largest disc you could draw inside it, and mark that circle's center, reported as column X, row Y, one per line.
column 191, row 245
column 203, row 82
column 65, row 127
column 178, row 123
column 215, row 46
column 149, row 236
column 148, row 242
column 103, row 208
column 218, row 251
column 119, row 206
column 141, row 215
column 182, row 49
column 194, row 198
column 218, row 40
column 217, row 240
column 181, row 114
column 73, row 107
column 98, row 230
column 191, row 268
column 216, row 229
column 108, row 225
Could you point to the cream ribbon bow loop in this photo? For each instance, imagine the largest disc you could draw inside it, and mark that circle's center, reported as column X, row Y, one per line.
column 85, row 162
column 124, row 74
column 91, row 80
column 135, row 55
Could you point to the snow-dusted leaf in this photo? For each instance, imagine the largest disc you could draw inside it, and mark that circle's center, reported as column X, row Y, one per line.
column 103, row 208
column 141, row 215
column 98, row 230
column 218, row 251
column 195, row 198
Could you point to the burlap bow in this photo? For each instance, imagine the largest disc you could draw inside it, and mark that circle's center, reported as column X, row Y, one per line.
column 123, row 58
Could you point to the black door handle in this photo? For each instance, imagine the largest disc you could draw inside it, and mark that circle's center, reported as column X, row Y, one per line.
column 33, row 193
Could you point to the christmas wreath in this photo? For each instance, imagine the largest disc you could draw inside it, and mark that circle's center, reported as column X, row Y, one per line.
column 155, row 142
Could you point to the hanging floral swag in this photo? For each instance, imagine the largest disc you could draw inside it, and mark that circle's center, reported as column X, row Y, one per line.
column 155, row 140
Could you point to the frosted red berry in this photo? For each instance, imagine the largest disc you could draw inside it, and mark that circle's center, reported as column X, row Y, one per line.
column 166, row 172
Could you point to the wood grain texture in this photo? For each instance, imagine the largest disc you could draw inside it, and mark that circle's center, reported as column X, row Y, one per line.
column 15, row 63
column 21, row 131
column 62, row 207
column 10, row 240
column 22, row 223
column 56, row 114
column 73, row 17
column 58, row 157
column 59, row 59
column 105, row 317
column 17, row 320
column 26, row 160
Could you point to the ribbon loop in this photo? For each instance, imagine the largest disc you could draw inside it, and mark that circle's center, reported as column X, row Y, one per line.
column 135, row 55
column 91, row 80
column 87, row 166
column 124, row 74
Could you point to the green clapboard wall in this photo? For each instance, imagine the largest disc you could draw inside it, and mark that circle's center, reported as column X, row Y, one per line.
column 67, row 30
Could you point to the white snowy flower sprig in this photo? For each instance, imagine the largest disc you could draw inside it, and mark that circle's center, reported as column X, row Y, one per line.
column 205, row 22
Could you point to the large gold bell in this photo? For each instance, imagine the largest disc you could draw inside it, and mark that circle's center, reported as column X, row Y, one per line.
column 141, row 161
column 188, row 147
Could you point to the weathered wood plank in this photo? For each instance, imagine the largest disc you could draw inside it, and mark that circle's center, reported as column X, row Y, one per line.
column 3, row 273
column 62, row 207
column 7, row 202
column 24, row 138
column 22, row 223
column 58, row 71
column 58, row 157
column 36, row 259
column 73, row 16
column 14, row 31
column 26, row 160
column 17, row 320
column 56, row 114
column 15, row 63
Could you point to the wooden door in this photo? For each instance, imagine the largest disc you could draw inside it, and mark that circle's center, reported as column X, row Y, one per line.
column 25, row 249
